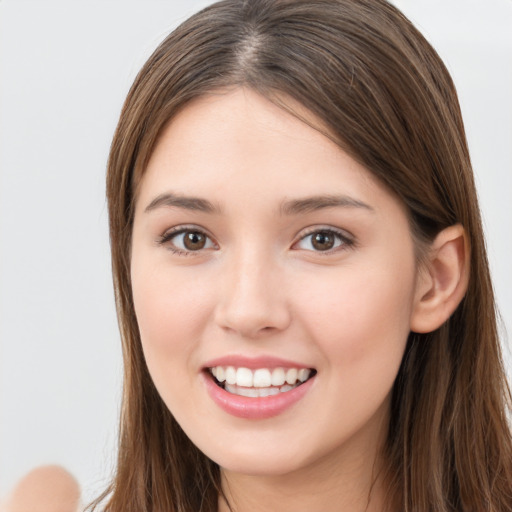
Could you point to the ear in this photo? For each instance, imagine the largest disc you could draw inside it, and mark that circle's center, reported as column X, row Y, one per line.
column 442, row 281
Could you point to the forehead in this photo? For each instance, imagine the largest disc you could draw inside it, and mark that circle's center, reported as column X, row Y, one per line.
column 236, row 146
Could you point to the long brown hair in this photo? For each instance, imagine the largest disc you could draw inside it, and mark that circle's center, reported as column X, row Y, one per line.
column 387, row 99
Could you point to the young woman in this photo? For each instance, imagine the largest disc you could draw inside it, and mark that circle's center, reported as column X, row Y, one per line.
column 303, row 292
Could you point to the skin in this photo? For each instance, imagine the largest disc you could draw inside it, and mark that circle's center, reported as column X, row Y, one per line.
column 44, row 489
column 259, row 288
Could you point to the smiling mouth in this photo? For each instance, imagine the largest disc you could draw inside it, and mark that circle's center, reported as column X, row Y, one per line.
column 261, row 382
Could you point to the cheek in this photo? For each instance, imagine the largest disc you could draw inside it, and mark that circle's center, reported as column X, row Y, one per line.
column 362, row 322
column 171, row 308
column 360, row 328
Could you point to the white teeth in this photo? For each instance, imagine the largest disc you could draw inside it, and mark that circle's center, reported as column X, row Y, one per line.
column 262, row 380
column 291, row 376
column 230, row 375
column 268, row 391
column 278, row 377
column 250, row 392
column 220, row 374
column 303, row 375
column 244, row 377
column 257, row 392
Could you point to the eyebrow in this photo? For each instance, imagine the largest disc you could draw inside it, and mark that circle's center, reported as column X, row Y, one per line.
column 185, row 202
column 291, row 207
column 311, row 204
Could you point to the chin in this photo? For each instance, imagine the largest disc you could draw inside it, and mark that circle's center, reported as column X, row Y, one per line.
column 260, row 467
column 272, row 461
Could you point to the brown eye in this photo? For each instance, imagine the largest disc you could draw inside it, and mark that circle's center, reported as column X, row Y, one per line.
column 183, row 241
column 323, row 240
column 194, row 240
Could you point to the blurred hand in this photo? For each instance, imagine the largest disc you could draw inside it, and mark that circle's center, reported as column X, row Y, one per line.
column 44, row 489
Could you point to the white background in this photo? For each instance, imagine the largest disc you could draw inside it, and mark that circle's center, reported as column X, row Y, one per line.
column 65, row 69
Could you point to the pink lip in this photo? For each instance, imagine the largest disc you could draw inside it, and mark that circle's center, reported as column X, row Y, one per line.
column 254, row 363
column 254, row 408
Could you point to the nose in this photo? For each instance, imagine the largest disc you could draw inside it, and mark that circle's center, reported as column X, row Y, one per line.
column 252, row 299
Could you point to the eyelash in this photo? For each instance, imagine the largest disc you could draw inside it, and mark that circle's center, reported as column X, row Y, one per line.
column 346, row 241
column 167, row 237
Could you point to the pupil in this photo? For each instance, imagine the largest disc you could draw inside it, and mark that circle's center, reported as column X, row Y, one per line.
column 323, row 241
column 194, row 240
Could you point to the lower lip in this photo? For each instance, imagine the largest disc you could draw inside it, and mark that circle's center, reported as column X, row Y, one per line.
column 255, row 408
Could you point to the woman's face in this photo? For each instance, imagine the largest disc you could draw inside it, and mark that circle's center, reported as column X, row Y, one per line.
column 264, row 253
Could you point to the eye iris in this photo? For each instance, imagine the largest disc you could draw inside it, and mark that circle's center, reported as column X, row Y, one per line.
column 323, row 241
column 194, row 240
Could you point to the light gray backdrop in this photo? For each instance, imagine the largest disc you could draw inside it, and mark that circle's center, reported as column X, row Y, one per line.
column 65, row 68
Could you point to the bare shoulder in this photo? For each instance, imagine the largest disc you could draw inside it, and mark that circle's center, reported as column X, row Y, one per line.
column 44, row 489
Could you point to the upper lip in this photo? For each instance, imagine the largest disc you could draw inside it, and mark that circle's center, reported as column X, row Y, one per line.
column 253, row 363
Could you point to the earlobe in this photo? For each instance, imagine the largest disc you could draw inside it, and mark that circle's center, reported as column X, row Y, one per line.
column 443, row 281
